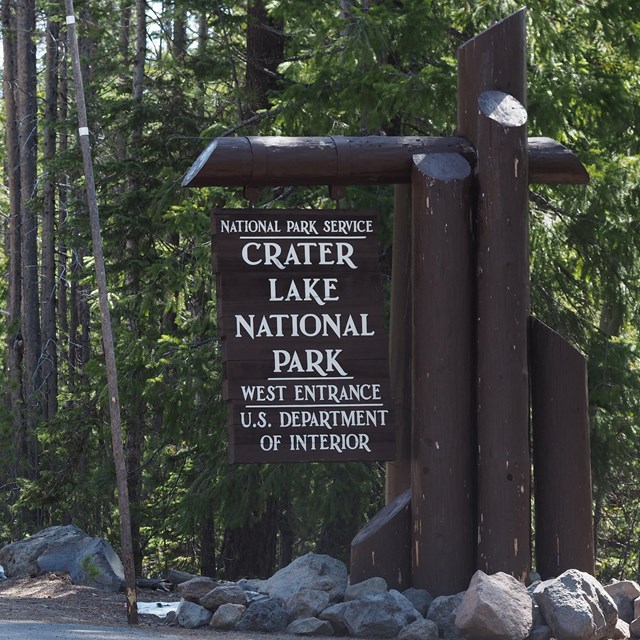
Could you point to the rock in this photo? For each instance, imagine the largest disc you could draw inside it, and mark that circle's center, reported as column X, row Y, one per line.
column 313, row 571
column 225, row 594
column 621, row 632
column 381, row 615
column 307, row 603
column 421, row 599
column 540, row 632
column 2, row 574
column 634, row 628
column 191, row 615
column 576, row 607
column 420, row 630
column 494, row 606
column 268, row 616
column 365, row 588
column 254, row 584
column 310, row 627
column 196, row 588
column 636, row 608
column 89, row 561
column 443, row 612
column 624, row 593
column 227, row 616
column 335, row 615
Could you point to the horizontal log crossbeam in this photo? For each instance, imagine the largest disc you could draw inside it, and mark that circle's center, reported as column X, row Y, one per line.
column 305, row 161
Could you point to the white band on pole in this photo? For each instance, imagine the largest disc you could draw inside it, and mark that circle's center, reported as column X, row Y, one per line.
column 71, row 19
column 83, row 131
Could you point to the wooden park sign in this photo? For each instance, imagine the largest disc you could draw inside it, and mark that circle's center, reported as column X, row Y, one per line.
column 304, row 350
column 474, row 378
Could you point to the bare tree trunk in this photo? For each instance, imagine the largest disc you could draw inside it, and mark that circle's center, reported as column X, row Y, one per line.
column 14, row 333
column 48, row 291
column 265, row 51
column 27, row 130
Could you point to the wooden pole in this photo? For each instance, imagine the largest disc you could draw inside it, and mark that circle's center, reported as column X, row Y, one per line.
column 398, row 478
column 274, row 160
column 443, row 549
column 561, row 454
column 491, row 114
column 105, row 316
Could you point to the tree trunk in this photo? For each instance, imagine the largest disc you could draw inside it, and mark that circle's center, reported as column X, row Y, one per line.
column 265, row 51
column 27, row 131
column 48, row 291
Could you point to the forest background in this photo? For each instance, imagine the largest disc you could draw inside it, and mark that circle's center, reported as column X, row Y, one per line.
column 163, row 79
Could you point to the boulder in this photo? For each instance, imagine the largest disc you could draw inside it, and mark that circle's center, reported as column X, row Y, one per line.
column 576, row 607
column 380, row 615
column 634, row 628
column 227, row 616
column 494, row 606
column 191, row 615
column 420, row 630
column 89, row 561
column 636, row 608
column 443, row 612
column 421, row 599
column 540, row 632
column 196, row 588
column 225, row 594
column 310, row 627
column 335, row 615
column 624, row 593
column 268, row 616
column 307, row 603
column 622, row 631
column 312, row 571
column 365, row 588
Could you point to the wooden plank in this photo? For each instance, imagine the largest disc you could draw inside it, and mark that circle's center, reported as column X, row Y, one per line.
column 382, row 548
column 561, row 454
column 299, row 161
column 443, row 536
column 398, row 471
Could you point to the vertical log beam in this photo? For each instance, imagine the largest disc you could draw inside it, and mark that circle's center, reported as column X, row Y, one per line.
column 502, row 263
column 398, row 478
column 443, row 551
column 491, row 114
column 562, row 455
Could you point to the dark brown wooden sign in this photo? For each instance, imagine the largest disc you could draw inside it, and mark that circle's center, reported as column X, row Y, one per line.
column 301, row 321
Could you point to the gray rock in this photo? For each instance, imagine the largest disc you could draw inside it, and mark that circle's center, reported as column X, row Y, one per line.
column 227, row 616
column 540, row 632
column 310, row 627
column 313, row 571
column 191, row 615
column 420, row 630
column 335, row 615
column 381, row 615
column 624, row 593
column 634, row 628
column 443, row 612
column 2, row 575
column 254, row 584
column 495, row 606
column 622, row 631
column 307, row 603
column 196, row 588
column 576, row 607
column 636, row 608
column 365, row 588
column 268, row 616
column 89, row 561
column 421, row 599
column 224, row 594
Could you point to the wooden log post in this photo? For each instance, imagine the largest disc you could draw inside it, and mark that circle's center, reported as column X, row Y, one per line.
column 491, row 113
column 398, row 476
column 443, row 550
column 561, row 453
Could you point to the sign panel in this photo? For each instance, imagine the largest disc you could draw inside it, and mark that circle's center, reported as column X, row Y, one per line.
column 301, row 321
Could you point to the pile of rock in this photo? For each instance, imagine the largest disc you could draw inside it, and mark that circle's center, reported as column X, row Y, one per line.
column 312, row 596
